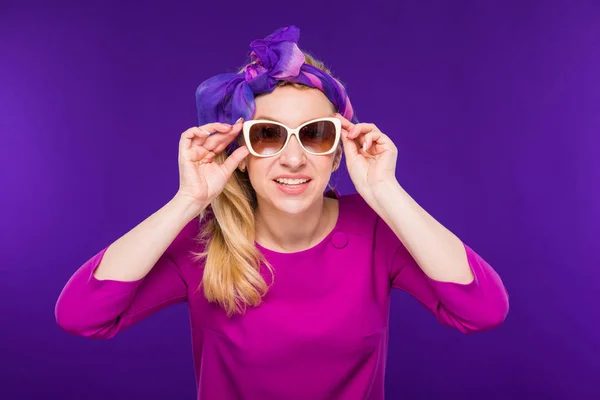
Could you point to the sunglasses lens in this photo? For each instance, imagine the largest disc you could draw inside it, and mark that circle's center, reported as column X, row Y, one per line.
column 318, row 137
column 266, row 138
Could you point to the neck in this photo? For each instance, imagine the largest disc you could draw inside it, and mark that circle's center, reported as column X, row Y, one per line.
column 288, row 233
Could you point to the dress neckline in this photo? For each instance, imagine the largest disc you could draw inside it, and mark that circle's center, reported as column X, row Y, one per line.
column 323, row 242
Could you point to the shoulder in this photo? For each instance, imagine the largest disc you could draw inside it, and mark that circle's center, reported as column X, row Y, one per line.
column 186, row 243
column 188, row 234
column 360, row 219
column 356, row 215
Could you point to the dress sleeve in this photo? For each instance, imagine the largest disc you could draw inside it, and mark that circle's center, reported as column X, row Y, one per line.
column 479, row 305
column 96, row 308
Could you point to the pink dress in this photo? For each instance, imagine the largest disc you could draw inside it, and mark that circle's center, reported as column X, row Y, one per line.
column 321, row 332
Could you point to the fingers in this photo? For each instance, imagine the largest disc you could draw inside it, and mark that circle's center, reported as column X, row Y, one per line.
column 370, row 138
column 354, row 130
column 346, row 124
column 189, row 135
column 216, row 127
column 363, row 136
column 209, row 138
column 202, row 132
column 359, row 137
column 353, row 136
column 350, row 146
column 226, row 133
column 360, row 129
column 366, row 135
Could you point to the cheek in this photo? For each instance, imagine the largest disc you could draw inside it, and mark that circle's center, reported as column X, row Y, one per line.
column 257, row 171
column 325, row 166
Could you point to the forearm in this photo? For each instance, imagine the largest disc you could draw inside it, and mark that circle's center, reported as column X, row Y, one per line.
column 134, row 254
column 438, row 252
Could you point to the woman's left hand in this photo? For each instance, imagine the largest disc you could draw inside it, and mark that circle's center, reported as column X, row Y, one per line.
column 370, row 156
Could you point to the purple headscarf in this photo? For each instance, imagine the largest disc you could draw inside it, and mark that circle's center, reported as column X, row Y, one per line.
column 226, row 97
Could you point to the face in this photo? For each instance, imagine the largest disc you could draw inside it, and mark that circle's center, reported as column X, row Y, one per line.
column 292, row 106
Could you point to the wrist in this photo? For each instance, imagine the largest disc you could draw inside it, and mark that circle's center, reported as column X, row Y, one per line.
column 187, row 206
column 384, row 188
column 383, row 195
column 379, row 190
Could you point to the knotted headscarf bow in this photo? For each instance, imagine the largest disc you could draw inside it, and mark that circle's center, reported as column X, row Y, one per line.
column 226, row 97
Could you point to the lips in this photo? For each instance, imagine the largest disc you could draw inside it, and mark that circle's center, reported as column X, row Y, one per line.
column 292, row 177
column 292, row 184
column 292, row 189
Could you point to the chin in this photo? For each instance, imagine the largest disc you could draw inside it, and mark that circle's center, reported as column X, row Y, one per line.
column 292, row 206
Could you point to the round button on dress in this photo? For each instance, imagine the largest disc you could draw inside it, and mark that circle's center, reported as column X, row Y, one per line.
column 339, row 240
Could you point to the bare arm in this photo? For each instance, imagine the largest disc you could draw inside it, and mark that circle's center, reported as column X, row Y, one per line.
column 438, row 252
column 436, row 267
column 136, row 275
column 133, row 255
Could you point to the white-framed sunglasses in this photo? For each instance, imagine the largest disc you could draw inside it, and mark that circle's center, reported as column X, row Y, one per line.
column 266, row 138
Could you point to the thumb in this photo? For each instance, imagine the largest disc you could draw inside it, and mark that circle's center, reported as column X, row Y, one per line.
column 350, row 147
column 234, row 159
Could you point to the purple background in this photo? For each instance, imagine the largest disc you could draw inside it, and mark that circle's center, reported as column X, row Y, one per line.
column 494, row 107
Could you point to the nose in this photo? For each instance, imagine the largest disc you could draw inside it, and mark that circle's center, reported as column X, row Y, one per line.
column 293, row 155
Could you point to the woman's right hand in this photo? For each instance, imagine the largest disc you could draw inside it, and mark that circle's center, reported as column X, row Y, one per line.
column 200, row 178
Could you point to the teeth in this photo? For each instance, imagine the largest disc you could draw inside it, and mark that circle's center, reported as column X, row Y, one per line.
column 292, row 181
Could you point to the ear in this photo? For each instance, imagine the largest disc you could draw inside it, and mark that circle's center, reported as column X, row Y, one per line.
column 337, row 158
column 243, row 164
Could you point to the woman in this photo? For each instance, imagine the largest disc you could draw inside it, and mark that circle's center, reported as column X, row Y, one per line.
column 288, row 288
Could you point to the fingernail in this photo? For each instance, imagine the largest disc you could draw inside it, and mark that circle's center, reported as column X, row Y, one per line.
column 239, row 120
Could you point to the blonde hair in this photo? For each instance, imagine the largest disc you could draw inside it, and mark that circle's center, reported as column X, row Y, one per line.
column 232, row 262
